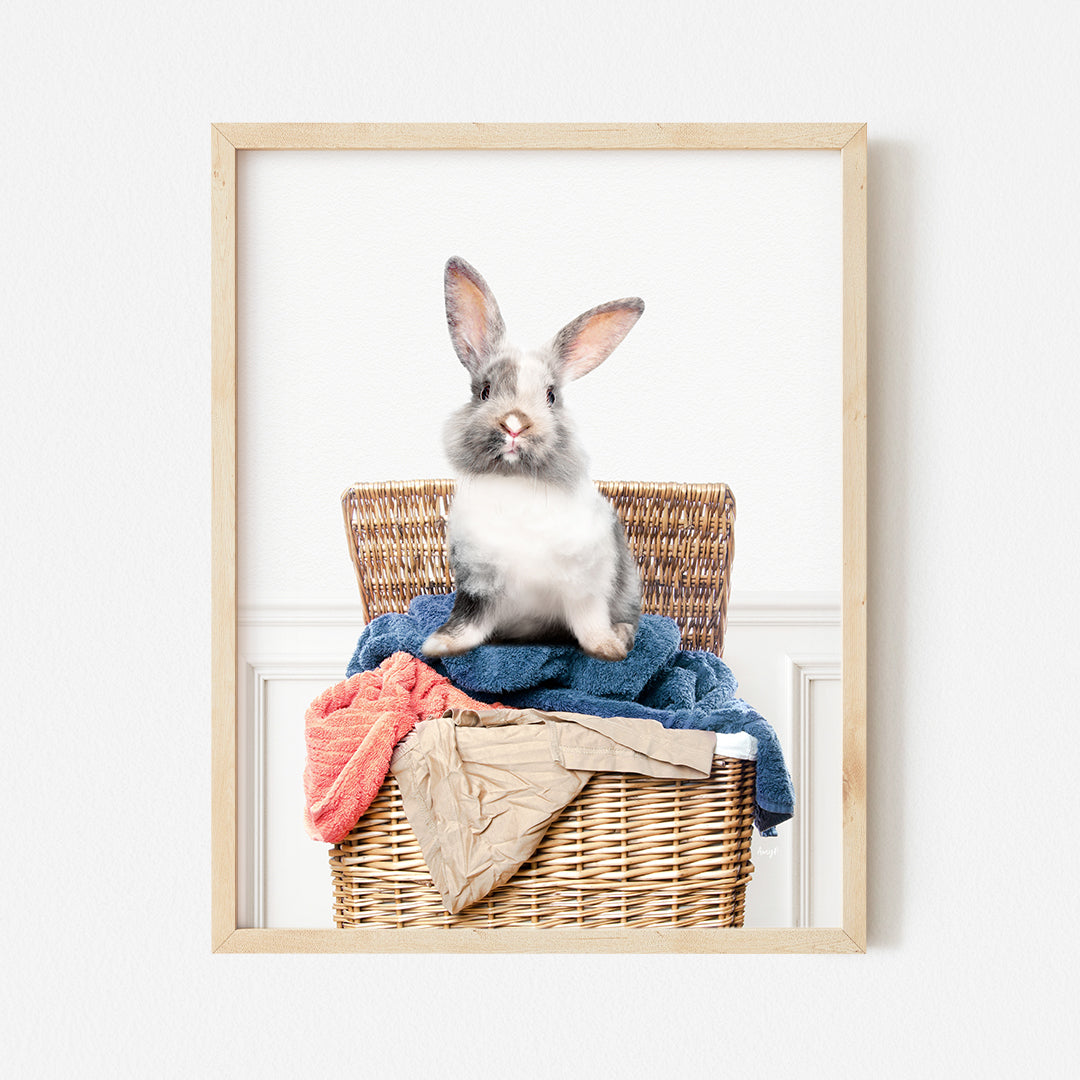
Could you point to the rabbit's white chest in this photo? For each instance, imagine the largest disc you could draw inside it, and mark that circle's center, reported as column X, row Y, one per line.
column 536, row 539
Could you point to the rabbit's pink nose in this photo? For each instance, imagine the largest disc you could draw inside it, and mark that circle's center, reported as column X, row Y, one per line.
column 513, row 425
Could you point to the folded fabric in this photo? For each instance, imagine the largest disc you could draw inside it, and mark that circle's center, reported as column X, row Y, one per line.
column 480, row 787
column 351, row 730
column 499, row 669
column 657, row 681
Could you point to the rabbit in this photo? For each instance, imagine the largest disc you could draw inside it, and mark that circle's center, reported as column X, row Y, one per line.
column 536, row 552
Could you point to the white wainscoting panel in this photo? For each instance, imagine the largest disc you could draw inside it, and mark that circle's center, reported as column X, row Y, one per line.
column 814, row 757
column 783, row 648
column 765, row 632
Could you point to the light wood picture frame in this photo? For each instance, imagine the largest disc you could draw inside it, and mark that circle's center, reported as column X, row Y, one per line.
column 849, row 140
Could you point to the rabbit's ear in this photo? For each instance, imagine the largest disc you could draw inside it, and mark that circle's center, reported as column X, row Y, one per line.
column 476, row 325
column 589, row 340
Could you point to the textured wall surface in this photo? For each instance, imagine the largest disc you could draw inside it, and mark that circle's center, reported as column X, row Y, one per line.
column 974, row 586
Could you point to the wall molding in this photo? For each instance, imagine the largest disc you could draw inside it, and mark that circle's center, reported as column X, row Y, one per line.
column 802, row 672
column 784, row 609
column 744, row 609
column 256, row 674
column 291, row 640
column 290, row 613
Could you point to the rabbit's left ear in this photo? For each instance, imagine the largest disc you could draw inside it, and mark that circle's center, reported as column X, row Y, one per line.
column 589, row 340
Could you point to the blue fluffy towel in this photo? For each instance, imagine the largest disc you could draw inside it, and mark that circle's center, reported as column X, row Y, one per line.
column 657, row 680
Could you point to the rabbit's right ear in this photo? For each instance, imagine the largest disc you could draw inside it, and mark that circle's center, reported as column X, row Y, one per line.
column 476, row 324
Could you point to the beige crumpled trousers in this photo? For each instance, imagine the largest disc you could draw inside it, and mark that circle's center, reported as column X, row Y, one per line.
column 481, row 787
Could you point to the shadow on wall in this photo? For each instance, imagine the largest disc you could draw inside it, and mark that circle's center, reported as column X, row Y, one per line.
column 895, row 247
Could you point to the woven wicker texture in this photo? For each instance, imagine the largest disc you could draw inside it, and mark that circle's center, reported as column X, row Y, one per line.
column 681, row 534
column 629, row 850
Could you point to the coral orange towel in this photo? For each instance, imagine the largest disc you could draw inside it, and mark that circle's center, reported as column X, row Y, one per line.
column 351, row 731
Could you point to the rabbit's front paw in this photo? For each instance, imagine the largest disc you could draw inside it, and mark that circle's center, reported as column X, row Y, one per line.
column 453, row 642
column 606, row 647
column 440, row 644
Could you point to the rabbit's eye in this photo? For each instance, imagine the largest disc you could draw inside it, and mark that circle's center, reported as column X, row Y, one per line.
column 485, row 391
column 551, row 395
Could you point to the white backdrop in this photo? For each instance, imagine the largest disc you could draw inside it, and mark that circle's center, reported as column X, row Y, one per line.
column 974, row 586
column 346, row 371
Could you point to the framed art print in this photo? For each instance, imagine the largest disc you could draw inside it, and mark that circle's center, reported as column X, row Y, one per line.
column 332, row 365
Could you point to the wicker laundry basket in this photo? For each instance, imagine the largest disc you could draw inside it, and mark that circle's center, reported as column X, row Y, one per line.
column 629, row 850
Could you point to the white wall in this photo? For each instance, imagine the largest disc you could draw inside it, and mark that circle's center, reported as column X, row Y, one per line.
column 784, row 649
column 346, row 372
column 974, row 586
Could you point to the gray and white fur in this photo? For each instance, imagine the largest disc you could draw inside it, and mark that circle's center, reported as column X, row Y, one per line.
column 536, row 551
